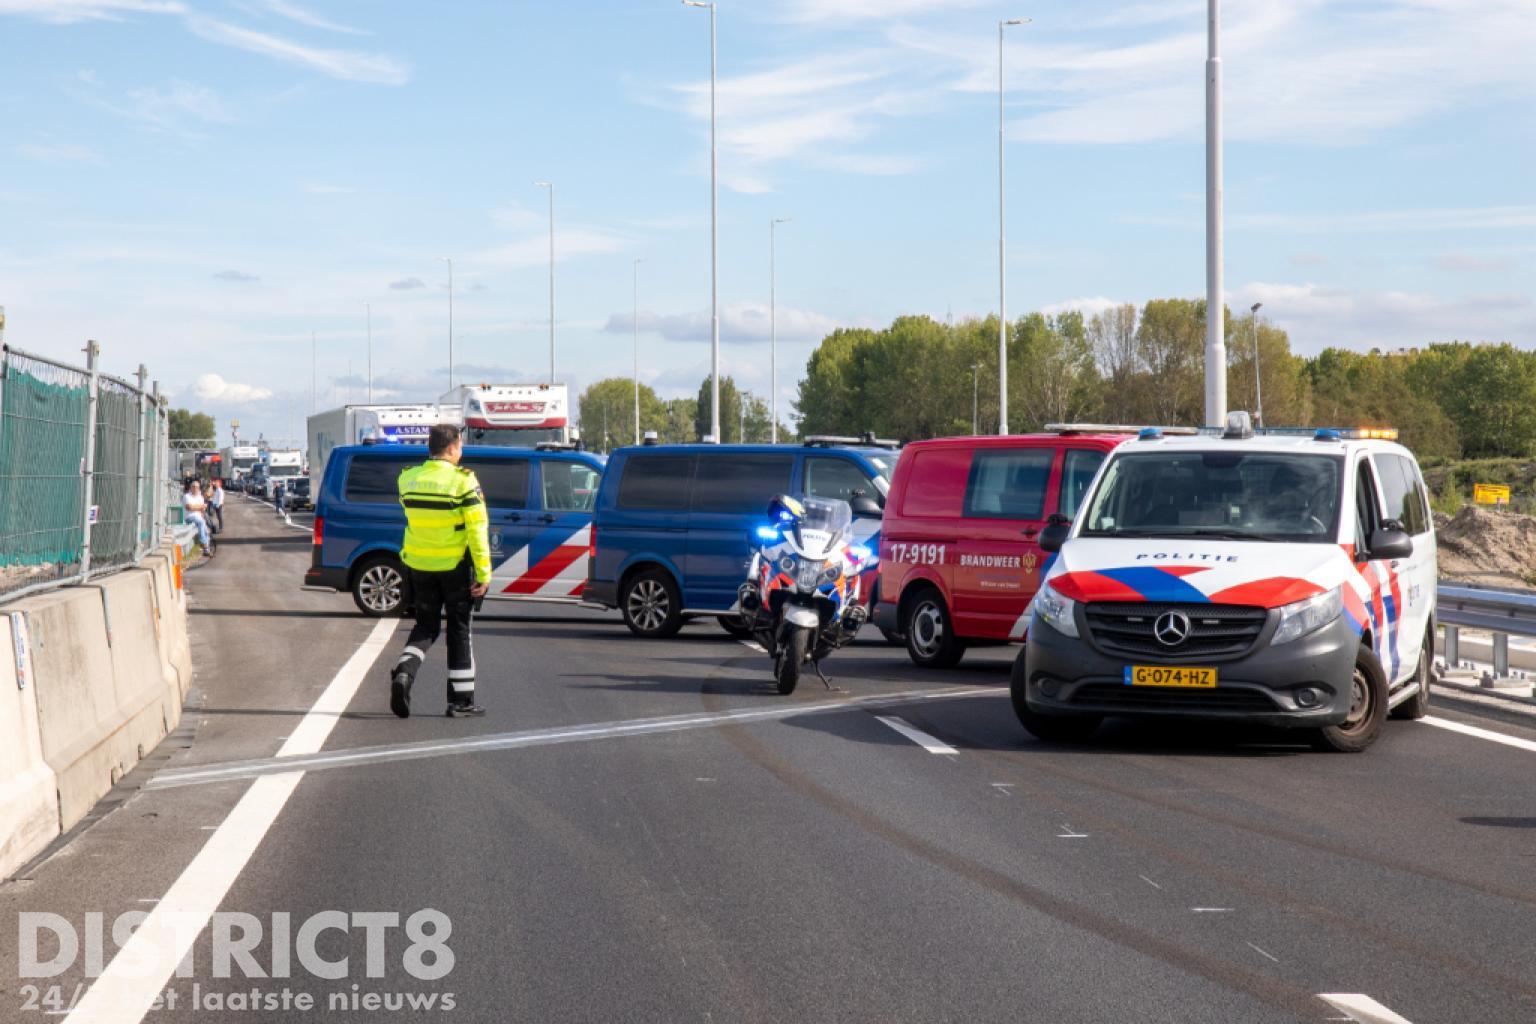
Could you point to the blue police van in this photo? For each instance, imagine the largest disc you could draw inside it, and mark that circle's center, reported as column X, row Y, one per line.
column 672, row 523
column 539, row 502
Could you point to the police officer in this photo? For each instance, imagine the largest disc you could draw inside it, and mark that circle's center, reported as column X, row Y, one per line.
column 448, row 553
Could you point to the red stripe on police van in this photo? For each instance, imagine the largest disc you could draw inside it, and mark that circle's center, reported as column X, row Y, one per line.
column 554, row 563
column 1093, row 586
column 1270, row 593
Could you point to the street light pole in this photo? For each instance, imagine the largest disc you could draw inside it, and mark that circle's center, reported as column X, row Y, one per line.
column 551, row 187
column 449, row 260
column 773, row 327
column 1002, row 238
column 714, row 228
column 975, row 393
column 637, row 349
column 369, row 308
column 1215, row 326
column 1258, row 392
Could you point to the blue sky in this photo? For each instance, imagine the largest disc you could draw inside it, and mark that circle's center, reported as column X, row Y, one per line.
column 200, row 184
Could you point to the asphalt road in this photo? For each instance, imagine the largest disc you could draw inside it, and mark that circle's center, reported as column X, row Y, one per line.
column 647, row 832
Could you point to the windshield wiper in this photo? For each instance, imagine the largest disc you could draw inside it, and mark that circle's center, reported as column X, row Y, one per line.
column 1231, row 535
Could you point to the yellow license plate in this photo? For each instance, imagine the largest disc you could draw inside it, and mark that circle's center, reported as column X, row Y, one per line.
column 1178, row 676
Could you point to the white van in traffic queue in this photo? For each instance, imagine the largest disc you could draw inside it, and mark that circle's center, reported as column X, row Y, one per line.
column 1284, row 578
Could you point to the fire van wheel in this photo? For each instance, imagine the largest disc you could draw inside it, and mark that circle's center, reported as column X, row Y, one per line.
column 1417, row 706
column 1367, row 710
column 651, row 606
column 379, row 588
column 930, row 633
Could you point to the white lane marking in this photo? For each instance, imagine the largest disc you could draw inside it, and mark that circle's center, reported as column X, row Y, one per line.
column 759, row 648
column 1068, row 832
column 316, row 726
column 1361, row 1008
column 126, row 990
column 1482, row 734
column 1259, row 951
column 1149, row 881
column 1003, row 788
column 917, row 736
column 544, row 737
column 1211, row 910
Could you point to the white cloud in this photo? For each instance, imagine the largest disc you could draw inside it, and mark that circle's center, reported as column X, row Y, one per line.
column 303, row 16
column 739, row 321
column 170, row 106
column 347, row 65
column 67, row 12
column 1321, row 315
column 210, row 387
column 1462, row 262
column 1087, row 306
column 407, row 284
column 518, row 217
column 236, row 277
column 59, row 152
column 570, row 241
column 1306, row 71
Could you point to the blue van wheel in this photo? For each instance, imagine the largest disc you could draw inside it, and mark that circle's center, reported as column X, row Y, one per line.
column 379, row 587
column 651, row 605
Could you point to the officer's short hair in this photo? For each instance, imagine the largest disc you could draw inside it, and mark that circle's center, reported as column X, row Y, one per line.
column 441, row 437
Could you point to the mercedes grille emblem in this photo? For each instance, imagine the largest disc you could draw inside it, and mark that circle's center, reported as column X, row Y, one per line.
column 1171, row 628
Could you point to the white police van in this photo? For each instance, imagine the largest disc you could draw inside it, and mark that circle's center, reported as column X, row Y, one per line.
column 1285, row 578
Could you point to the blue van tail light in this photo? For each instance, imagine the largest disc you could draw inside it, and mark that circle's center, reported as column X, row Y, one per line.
column 319, row 531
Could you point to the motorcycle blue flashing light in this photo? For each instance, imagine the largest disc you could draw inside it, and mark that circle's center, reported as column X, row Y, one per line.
column 768, row 534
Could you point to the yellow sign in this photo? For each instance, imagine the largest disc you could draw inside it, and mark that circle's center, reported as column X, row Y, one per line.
column 1490, row 494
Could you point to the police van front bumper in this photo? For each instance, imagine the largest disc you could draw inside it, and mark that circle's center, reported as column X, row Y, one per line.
column 1302, row 683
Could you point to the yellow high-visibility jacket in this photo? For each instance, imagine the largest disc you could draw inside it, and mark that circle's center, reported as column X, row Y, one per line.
column 444, row 516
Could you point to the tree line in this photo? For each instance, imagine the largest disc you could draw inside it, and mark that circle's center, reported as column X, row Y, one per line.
column 921, row 378
column 605, row 412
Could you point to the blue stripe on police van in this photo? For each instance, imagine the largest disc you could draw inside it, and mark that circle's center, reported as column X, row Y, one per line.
column 1154, row 584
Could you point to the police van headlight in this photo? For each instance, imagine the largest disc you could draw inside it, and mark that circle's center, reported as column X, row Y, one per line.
column 1060, row 613
column 1303, row 617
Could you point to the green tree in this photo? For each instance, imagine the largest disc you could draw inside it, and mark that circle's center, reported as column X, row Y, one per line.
column 606, row 412
column 191, row 426
column 743, row 416
column 1052, row 377
column 1283, row 382
column 682, row 416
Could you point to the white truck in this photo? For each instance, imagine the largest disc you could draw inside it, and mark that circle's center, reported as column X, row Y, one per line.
column 281, row 465
column 510, row 415
column 355, row 424
column 236, row 461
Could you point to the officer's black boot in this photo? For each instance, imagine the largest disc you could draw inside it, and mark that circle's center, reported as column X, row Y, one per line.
column 464, row 709
column 400, row 693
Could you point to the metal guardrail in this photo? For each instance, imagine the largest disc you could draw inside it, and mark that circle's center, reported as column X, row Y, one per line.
column 1504, row 613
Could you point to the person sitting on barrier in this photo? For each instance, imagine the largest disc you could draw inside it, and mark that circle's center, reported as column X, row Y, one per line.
column 196, row 512
column 216, row 503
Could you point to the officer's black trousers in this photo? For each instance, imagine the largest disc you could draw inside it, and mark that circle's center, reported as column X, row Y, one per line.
column 437, row 594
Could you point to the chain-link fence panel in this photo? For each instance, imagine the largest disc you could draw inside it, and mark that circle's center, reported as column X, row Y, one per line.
column 115, row 479
column 43, row 408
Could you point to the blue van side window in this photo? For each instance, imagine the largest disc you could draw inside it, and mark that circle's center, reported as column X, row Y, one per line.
column 740, row 483
column 504, row 481
column 827, row 477
column 375, row 481
column 663, row 482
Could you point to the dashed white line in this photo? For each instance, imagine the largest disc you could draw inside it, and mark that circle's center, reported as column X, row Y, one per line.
column 754, row 645
column 1482, row 734
column 1259, row 951
column 1211, row 910
column 1361, row 1008
column 917, row 736
column 1149, row 881
column 1068, row 832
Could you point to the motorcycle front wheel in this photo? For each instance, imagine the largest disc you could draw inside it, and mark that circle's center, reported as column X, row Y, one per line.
column 791, row 658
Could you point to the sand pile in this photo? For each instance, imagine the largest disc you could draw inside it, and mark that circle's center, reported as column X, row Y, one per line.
column 1484, row 546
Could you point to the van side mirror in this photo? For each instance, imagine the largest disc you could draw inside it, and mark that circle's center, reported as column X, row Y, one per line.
column 864, row 505
column 1388, row 544
column 1055, row 533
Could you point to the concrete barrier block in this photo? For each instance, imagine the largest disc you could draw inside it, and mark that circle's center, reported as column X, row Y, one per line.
column 82, row 727
column 29, row 805
column 147, row 695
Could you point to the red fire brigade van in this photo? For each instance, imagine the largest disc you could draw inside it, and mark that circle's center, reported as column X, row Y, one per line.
column 959, row 561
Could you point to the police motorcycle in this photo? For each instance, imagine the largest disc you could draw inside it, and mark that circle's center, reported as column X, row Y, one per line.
column 801, row 599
